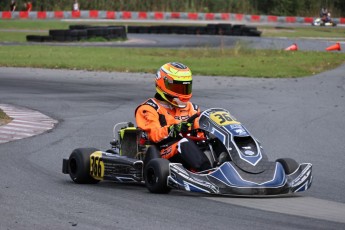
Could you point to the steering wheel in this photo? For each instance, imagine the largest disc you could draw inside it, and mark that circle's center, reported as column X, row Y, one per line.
column 193, row 138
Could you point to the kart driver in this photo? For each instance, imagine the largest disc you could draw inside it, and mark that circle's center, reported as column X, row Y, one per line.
column 164, row 118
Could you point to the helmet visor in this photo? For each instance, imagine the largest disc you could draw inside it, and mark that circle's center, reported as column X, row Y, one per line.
column 179, row 87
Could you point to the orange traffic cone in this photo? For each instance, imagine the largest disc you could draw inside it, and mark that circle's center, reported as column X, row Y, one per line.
column 293, row 47
column 334, row 47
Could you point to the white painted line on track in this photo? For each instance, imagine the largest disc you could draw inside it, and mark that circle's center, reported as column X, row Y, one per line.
column 25, row 123
column 37, row 126
column 10, row 127
column 20, row 121
column 14, row 133
column 299, row 206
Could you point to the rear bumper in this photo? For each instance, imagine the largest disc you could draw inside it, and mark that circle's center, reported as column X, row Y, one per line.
column 65, row 168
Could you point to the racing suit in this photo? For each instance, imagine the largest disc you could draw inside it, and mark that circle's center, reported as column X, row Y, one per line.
column 155, row 116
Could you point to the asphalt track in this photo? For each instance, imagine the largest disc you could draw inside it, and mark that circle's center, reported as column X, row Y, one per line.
column 193, row 41
column 299, row 118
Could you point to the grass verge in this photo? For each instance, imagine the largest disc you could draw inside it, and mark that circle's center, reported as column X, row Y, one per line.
column 34, row 24
column 238, row 61
column 4, row 119
column 331, row 33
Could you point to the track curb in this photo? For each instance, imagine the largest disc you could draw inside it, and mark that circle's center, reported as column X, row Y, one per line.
column 25, row 123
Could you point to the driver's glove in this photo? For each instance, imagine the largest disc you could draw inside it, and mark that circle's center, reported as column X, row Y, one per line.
column 176, row 129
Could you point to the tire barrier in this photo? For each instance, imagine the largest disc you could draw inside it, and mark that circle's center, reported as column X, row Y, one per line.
column 132, row 15
column 209, row 29
column 81, row 32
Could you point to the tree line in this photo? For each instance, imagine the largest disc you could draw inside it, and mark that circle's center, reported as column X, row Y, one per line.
column 303, row 8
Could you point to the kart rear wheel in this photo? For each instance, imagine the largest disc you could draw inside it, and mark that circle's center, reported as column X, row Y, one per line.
column 151, row 153
column 156, row 175
column 289, row 165
column 79, row 166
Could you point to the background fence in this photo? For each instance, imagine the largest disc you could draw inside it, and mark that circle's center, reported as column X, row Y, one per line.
column 143, row 15
column 303, row 8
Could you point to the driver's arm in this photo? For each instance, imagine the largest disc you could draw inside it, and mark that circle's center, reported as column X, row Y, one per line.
column 147, row 119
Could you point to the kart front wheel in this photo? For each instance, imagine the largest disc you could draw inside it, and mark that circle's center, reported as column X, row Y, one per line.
column 289, row 165
column 79, row 166
column 156, row 175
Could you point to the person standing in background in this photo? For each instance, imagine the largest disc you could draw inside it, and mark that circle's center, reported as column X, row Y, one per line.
column 323, row 14
column 75, row 6
column 28, row 6
column 13, row 5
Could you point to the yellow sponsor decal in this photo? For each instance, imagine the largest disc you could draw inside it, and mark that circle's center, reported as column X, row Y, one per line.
column 173, row 70
column 180, row 73
column 97, row 165
column 223, row 118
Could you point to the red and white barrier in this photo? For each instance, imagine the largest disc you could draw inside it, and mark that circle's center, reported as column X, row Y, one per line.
column 128, row 15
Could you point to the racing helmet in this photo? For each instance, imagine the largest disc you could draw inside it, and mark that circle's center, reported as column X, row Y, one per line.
column 174, row 83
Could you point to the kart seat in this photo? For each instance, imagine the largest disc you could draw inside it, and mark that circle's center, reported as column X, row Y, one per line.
column 133, row 142
column 129, row 142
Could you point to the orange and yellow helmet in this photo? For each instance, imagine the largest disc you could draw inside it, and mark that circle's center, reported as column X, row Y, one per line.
column 174, row 83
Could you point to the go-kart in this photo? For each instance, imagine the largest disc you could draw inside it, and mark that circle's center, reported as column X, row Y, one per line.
column 239, row 165
column 320, row 22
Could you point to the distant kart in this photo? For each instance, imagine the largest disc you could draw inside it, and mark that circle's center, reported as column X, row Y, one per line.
column 239, row 164
column 320, row 22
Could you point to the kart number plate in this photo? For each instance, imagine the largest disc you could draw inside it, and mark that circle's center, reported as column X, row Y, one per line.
column 96, row 165
column 223, row 118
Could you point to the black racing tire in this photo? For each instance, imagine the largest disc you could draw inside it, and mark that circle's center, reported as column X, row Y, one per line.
column 79, row 166
column 79, row 27
column 156, row 176
column 151, row 153
column 289, row 165
column 34, row 38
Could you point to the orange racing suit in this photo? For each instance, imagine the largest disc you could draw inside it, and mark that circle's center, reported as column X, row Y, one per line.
column 155, row 117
